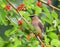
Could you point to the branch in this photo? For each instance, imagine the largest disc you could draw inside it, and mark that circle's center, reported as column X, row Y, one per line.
column 35, row 35
column 22, row 18
column 8, row 18
column 20, row 29
column 42, row 44
column 55, row 8
column 19, row 13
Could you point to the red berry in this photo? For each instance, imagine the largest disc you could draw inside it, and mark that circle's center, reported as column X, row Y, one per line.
column 22, row 4
column 19, row 8
column 49, row 2
column 19, row 22
column 38, row 3
column 28, row 36
column 7, row 7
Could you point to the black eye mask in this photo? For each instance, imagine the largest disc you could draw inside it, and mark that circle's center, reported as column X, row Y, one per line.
column 31, row 16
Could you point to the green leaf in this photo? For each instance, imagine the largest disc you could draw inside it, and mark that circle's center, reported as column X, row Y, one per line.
column 17, row 42
column 45, row 9
column 10, row 32
column 29, row 2
column 2, row 16
column 47, row 13
column 2, row 4
column 52, row 35
column 7, row 33
column 2, row 42
column 25, row 15
column 35, row 44
column 14, row 20
column 59, row 28
column 46, row 19
column 51, row 29
column 55, row 42
column 37, row 10
column 46, row 40
column 54, row 14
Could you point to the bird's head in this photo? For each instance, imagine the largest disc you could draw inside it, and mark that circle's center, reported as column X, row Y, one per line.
column 32, row 16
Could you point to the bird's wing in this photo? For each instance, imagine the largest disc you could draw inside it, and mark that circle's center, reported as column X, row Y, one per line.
column 41, row 26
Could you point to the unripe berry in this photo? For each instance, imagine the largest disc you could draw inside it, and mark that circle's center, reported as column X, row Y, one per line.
column 38, row 3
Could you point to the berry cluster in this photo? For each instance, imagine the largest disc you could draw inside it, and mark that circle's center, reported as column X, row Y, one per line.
column 7, row 7
column 20, row 7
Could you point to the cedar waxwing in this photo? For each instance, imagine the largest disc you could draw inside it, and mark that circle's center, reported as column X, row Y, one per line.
column 38, row 25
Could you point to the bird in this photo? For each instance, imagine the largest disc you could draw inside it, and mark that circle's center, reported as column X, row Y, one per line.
column 38, row 25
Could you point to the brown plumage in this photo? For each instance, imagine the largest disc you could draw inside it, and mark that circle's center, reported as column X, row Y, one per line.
column 38, row 25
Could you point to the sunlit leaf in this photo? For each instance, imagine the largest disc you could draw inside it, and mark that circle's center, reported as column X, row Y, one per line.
column 52, row 35
column 55, row 42
column 54, row 14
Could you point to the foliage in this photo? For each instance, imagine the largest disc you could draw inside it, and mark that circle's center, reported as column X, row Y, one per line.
column 18, row 33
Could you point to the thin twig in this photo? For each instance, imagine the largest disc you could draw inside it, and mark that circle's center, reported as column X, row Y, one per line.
column 19, row 13
column 22, row 18
column 53, row 7
column 40, row 41
column 36, row 36
column 8, row 18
